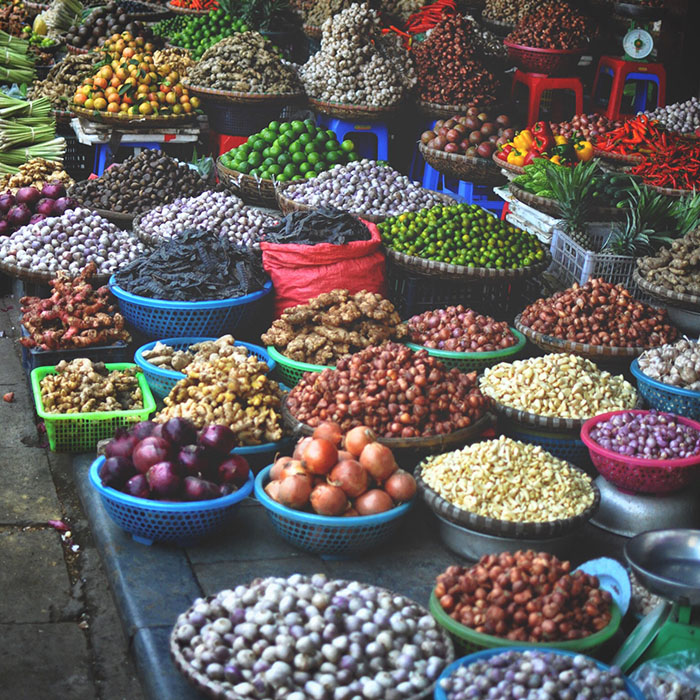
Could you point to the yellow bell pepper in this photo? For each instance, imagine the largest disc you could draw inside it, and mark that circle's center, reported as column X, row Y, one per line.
column 555, row 159
column 560, row 140
column 584, row 150
column 516, row 158
column 524, row 140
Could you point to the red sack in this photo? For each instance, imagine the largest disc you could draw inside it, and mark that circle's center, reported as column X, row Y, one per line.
column 302, row 272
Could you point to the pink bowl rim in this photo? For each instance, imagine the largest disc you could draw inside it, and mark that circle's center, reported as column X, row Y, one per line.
column 595, row 448
column 535, row 49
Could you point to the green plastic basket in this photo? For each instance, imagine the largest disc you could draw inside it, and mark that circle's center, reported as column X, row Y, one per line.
column 289, row 372
column 474, row 361
column 469, row 641
column 80, row 432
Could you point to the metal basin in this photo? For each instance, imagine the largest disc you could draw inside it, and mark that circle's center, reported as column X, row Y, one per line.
column 667, row 562
column 630, row 514
column 688, row 321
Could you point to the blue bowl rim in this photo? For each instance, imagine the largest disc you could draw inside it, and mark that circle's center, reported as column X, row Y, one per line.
column 187, row 305
column 440, row 694
column 244, row 450
column 313, row 519
column 147, row 367
column 637, row 372
column 180, row 506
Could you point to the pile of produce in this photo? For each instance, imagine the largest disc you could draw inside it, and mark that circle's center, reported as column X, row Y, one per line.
column 561, row 385
column 35, row 173
column 550, row 603
column 585, row 125
column 104, row 22
column 16, row 63
column 448, row 70
column 69, row 242
column 317, row 12
column 166, row 357
column 323, row 225
column 334, row 324
column 553, row 673
column 475, row 134
column 681, row 117
column 173, row 59
column 674, row 676
column 58, row 18
column 487, row 44
column 540, row 143
column 650, row 435
column 353, row 65
column 424, row 399
column 509, row 480
column 64, row 79
column 331, row 474
column 173, row 462
column 193, row 266
column 458, row 329
column 244, row 63
column 599, row 313
column 75, row 315
column 461, row 234
column 197, row 33
column 401, row 9
column 677, row 364
column 400, row 656
column 221, row 212
column 13, row 17
column 133, row 85
column 363, row 187
column 552, row 25
column 289, row 150
column 41, row 48
column 199, row 5
column 140, row 183
column 643, row 601
column 29, row 205
column 229, row 391
column 508, row 11
column 83, row 386
column 676, row 268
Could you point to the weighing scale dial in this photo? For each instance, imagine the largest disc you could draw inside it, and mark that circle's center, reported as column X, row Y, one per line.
column 638, row 43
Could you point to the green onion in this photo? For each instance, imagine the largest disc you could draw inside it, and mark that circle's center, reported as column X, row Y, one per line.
column 13, row 135
column 49, row 150
column 17, row 45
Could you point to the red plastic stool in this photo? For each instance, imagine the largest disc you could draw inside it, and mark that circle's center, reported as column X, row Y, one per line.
column 622, row 71
column 537, row 83
column 222, row 143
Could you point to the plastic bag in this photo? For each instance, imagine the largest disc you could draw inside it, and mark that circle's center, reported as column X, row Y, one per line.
column 672, row 677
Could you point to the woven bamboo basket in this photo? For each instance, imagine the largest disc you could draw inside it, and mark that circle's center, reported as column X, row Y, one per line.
column 438, row 111
column 42, row 277
column 618, row 157
column 352, row 112
column 515, row 169
column 667, row 296
column 128, row 121
column 669, row 191
column 242, row 98
column 250, row 189
column 473, row 169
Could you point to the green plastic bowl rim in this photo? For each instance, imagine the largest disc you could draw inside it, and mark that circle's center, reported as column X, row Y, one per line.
column 491, row 355
column 281, row 359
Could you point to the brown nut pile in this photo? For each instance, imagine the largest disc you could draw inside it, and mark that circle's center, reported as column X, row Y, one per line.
column 334, row 324
column 458, row 329
column 81, row 386
column 64, row 79
column 553, row 25
column 448, row 72
column 600, row 313
column 391, row 389
column 525, row 597
column 230, row 392
column 173, row 59
column 167, row 357
column 676, row 268
column 508, row 11
column 35, row 173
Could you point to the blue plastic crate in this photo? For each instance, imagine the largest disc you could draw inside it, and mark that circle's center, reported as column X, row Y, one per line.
column 163, row 380
column 149, row 521
column 664, row 397
column 331, row 538
column 158, row 318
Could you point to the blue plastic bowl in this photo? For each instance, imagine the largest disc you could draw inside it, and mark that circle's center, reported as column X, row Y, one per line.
column 158, row 318
column 181, row 523
column 162, row 380
column 664, row 397
column 440, row 694
column 567, row 447
column 330, row 537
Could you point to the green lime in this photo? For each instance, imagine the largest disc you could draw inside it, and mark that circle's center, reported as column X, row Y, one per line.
column 305, row 167
column 289, row 170
column 254, row 172
column 298, row 127
column 275, row 151
column 296, row 147
column 310, row 125
column 310, row 148
column 254, row 159
column 334, row 156
column 242, row 167
column 321, row 137
column 298, row 177
column 353, row 157
column 274, row 126
column 313, row 158
column 320, row 167
column 347, row 146
column 268, row 162
column 330, row 145
column 298, row 157
column 274, row 170
column 268, row 135
column 257, row 144
column 282, row 178
column 284, row 159
column 304, row 139
column 285, row 140
column 310, row 174
column 285, row 128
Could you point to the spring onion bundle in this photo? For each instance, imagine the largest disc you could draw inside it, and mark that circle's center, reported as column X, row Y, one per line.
column 15, row 65
column 12, row 107
column 50, row 150
column 15, row 44
column 13, row 133
column 59, row 17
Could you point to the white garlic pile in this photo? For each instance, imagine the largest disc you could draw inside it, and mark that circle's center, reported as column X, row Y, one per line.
column 677, row 364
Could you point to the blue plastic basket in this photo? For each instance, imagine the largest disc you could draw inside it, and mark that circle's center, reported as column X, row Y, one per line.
column 150, row 521
column 162, row 380
column 158, row 318
column 569, row 447
column 259, row 456
column 439, row 694
column 664, row 397
column 331, row 538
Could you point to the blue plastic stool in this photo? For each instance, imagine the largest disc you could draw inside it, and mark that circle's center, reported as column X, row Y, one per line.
column 640, row 97
column 342, row 128
column 103, row 151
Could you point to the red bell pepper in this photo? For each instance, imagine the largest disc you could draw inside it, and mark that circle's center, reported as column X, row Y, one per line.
column 504, row 151
column 544, row 138
column 531, row 155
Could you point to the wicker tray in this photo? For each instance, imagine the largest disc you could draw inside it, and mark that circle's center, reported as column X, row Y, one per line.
column 130, row 121
column 618, row 157
column 252, row 190
column 505, row 165
column 668, row 191
column 596, row 353
column 438, row 111
column 690, row 302
column 154, row 13
column 213, row 689
column 497, row 27
column 470, row 168
column 504, row 528
column 242, row 98
column 352, row 112
column 43, row 277
column 312, row 32
column 433, row 268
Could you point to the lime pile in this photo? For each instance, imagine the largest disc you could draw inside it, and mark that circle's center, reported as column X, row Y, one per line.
column 289, row 151
column 461, row 234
